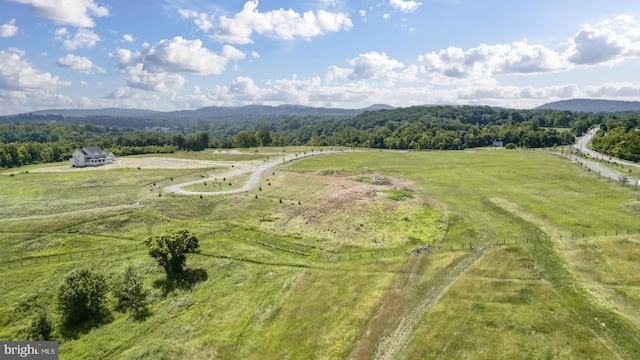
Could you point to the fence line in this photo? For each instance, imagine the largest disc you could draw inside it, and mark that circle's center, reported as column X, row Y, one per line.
column 14, row 264
column 320, row 257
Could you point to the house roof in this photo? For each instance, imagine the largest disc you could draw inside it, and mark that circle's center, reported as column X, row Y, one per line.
column 90, row 150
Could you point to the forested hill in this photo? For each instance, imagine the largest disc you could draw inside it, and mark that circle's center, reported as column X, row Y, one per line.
column 160, row 118
column 50, row 138
column 592, row 106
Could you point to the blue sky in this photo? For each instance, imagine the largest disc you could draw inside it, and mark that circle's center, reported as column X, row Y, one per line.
column 186, row 54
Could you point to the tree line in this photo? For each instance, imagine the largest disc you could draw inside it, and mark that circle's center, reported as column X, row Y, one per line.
column 418, row 127
column 619, row 137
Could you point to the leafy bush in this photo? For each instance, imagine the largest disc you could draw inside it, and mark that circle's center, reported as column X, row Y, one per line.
column 81, row 298
column 130, row 293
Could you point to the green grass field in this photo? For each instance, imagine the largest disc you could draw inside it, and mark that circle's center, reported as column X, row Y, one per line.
column 319, row 263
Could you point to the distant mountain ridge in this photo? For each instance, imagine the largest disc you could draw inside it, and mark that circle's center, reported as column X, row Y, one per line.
column 213, row 112
column 591, row 106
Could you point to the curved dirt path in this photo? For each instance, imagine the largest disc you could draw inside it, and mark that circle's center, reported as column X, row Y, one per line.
column 253, row 181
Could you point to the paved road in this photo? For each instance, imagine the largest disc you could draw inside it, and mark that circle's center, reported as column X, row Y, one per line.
column 253, row 181
column 581, row 145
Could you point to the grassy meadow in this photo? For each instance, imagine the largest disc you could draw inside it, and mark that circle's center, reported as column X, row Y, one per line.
column 531, row 257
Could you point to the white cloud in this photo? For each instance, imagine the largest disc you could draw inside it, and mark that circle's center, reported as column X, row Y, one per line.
column 79, row 63
column 82, row 39
column 127, row 38
column 489, row 60
column 255, row 54
column 609, row 41
column 121, row 93
column 9, row 29
column 203, row 21
column 77, row 13
column 282, row 24
column 372, row 65
column 17, row 74
column 123, row 56
column 243, row 88
column 232, row 53
column 405, row 6
column 180, row 55
column 614, row 90
column 164, row 82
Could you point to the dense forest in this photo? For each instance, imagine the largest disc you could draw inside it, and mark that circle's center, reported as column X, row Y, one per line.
column 28, row 139
column 619, row 137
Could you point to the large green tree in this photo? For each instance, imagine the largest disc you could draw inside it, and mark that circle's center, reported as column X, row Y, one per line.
column 171, row 250
column 82, row 298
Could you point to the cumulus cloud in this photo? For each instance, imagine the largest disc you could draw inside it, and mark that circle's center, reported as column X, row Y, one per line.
column 144, row 80
column 79, row 63
column 127, row 38
column 372, row 65
column 202, row 20
column 282, row 24
column 9, row 29
column 405, row 6
column 82, row 39
column 609, row 41
column 180, row 55
column 17, row 74
column 123, row 56
column 614, row 90
column 488, row 60
column 77, row 13
column 121, row 93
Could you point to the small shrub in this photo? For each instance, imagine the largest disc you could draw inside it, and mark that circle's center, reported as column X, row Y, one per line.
column 130, row 293
column 40, row 327
column 510, row 146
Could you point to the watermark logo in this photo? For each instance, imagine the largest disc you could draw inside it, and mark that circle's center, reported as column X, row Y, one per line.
column 35, row 350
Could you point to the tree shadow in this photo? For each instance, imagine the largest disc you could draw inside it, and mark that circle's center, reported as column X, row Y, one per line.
column 141, row 315
column 74, row 331
column 184, row 281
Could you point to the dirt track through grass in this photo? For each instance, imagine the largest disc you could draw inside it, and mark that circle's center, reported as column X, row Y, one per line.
column 612, row 329
column 409, row 297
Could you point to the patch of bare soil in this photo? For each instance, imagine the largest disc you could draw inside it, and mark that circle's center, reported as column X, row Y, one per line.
column 343, row 191
column 141, row 162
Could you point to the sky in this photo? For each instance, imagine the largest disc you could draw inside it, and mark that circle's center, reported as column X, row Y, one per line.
column 186, row 54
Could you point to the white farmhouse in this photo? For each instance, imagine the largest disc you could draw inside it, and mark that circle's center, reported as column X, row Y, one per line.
column 91, row 156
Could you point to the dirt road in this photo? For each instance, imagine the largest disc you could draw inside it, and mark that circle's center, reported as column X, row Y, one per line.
column 251, row 183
